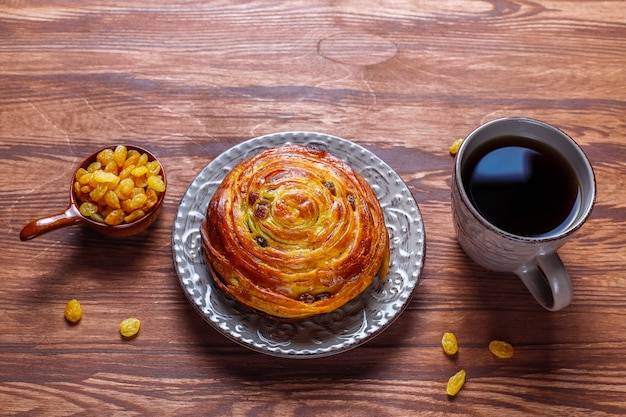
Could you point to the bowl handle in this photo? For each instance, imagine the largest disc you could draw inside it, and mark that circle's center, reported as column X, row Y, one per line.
column 49, row 223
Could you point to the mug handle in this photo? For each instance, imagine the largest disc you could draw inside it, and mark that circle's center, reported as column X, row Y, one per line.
column 547, row 280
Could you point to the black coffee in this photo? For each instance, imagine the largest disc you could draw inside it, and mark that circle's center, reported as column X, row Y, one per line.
column 522, row 186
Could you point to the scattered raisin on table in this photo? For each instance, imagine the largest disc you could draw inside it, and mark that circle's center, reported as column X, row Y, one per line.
column 454, row 148
column 503, row 350
column 449, row 343
column 455, row 383
column 73, row 311
column 129, row 327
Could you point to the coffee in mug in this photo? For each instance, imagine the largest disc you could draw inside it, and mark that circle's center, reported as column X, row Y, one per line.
column 522, row 186
column 520, row 189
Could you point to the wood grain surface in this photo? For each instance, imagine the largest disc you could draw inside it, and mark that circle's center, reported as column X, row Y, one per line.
column 190, row 79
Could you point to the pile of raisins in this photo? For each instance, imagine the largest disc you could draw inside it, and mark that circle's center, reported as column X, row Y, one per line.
column 121, row 186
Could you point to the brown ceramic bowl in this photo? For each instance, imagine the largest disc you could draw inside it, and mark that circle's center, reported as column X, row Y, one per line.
column 72, row 216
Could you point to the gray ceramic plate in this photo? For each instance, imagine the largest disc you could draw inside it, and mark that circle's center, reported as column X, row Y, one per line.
column 351, row 325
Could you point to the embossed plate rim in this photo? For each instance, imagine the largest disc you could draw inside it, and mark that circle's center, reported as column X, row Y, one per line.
column 357, row 322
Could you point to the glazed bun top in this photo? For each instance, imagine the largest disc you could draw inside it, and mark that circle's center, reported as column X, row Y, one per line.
column 294, row 232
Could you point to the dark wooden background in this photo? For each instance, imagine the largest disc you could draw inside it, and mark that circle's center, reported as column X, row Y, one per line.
column 188, row 80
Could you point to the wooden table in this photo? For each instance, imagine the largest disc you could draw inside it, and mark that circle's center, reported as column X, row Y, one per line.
column 189, row 80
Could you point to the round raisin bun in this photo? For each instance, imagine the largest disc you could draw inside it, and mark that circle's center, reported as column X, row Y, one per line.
column 294, row 232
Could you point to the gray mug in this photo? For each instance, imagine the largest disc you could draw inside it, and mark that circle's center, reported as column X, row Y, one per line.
column 532, row 257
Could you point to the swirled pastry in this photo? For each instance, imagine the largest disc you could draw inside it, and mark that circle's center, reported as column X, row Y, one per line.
column 294, row 232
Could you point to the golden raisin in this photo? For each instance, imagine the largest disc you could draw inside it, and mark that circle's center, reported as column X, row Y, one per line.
column 449, row 343
column 85, row 178
column 503, row 350
column 105, row 211
column 454, row 148
column 125, row 173
column 115, row 217
column 156, row 183
column 80, row 172
column 137, row 201
column 126, row 186
column 143, row 160
column 141, row 182
column 112, row 168
column 94, row 166
column 139, row 171
column 151, row 198
column 455, row 383
column 119, row 155
column 102, row 176
column 136, row 214
column 105, row 156
column 73, row 311
column 129, row 327
column 112, row 199
column 98, row 192
column 97, row 217
column 131, row 159
column 88, row 209
column 153, row 167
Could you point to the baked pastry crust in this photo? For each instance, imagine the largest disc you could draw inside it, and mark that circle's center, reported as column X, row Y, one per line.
column 294, row 232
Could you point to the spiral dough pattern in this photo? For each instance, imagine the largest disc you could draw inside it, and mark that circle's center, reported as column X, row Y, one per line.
column 294, row 232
